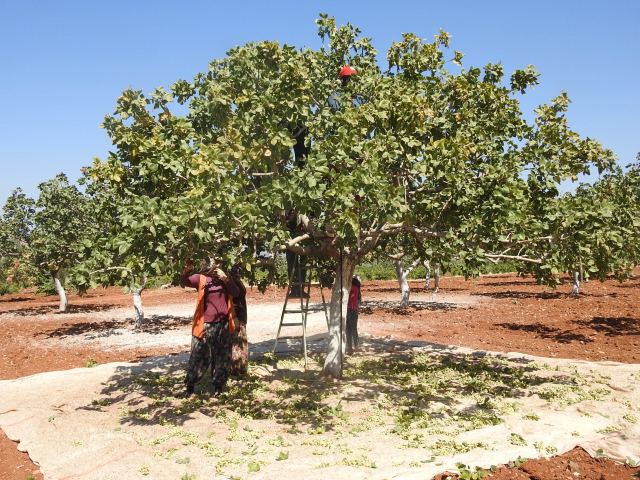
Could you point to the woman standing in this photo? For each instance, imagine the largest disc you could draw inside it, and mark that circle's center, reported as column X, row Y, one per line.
column 239, row 343
column 210, row 340
column 355, row 298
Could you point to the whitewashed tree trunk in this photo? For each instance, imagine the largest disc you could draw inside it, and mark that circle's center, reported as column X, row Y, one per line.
column 436, row 277
column 581, row 269
column 427, row 277
column 60, row 289
column 576, row 283
column 137, row 303
column 338, row 316
column 401, row 275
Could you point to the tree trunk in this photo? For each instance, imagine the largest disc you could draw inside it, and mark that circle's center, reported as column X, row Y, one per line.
column 576, row 283
column 137, row 303
column 402, row 274
column 60, row 289
column 338, row 316
column 427, row 277
column 436, row 273
column 581, row 269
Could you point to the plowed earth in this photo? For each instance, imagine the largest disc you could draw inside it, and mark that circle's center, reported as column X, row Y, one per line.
column 497, row 313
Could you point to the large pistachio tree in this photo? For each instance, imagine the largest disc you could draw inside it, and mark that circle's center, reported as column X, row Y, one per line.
column 405, row 147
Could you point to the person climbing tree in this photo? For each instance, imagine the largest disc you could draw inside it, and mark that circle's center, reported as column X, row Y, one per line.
column 301, row 150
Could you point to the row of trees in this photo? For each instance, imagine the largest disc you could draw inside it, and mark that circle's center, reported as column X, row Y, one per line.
column 411, row 159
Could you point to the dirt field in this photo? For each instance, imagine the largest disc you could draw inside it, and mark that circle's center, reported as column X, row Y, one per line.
column 497, row 313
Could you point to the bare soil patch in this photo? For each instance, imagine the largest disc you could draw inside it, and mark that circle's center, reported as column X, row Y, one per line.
column 574, row 464
column 497, row 313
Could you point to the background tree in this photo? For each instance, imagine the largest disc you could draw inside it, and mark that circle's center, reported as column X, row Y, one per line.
column 406, row 252
column 409, row 149
column 63, row 219
column 106, row 257
column 15, row 231
column 17, row 223
column 593, row 230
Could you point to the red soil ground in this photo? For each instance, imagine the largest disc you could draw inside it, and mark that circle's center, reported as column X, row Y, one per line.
column 496, row 312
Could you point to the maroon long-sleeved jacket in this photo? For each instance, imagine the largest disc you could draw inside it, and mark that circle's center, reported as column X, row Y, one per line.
column 216, row 308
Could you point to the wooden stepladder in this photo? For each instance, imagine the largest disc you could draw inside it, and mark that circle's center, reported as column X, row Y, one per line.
column 304, row 289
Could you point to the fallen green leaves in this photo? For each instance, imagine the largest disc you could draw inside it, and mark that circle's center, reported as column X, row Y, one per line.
column 282, row 456
column 421, row 405
column 466, row 473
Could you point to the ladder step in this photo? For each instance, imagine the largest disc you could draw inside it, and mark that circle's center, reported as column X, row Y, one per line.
column 291, row 324
column 303, row 310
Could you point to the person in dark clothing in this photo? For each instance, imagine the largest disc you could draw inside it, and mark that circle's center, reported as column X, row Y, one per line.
column 300, row 149
column 353, row 306
column 239, row 342
column 213, row 349
column 345, row 78
column 297, row 277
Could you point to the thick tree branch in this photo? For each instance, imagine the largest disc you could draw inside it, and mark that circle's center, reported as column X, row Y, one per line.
column 412, row 266
column 510, row 244
column 293, row 246
column 513, row 257
column 110, row 268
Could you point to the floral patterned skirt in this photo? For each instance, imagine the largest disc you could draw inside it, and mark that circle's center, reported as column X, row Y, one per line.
column 239, row 351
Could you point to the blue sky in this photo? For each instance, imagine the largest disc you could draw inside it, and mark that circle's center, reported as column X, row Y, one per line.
column 63, row 64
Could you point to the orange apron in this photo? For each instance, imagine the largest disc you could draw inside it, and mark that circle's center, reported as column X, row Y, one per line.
column 197, row 330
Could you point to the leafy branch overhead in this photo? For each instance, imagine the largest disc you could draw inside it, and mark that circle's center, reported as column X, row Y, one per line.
column 425, row 149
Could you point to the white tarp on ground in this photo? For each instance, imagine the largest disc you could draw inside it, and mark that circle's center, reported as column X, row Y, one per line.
column 60, row 421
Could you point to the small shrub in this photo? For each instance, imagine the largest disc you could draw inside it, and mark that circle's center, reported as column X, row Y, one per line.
column 47, row 288
column 8, row 288
column 92, row 362
column 157, row 282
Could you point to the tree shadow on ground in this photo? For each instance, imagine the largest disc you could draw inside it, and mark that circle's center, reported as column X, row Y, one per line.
column 510, row 283
column 155, row 325
column 281, row 391
column 513, row 294
column 81, row 328
column 54, row 309
column 610, row 326
column 16, row 299
column 382, row 289
column 544, row 331
column 627, row 284
column 367, row 308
